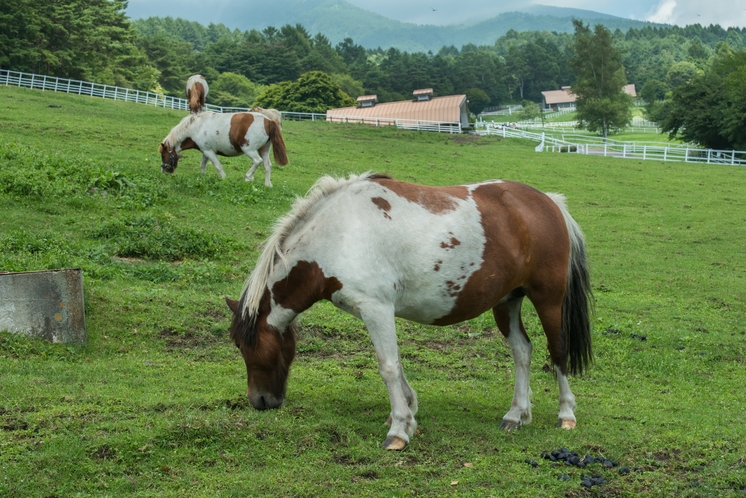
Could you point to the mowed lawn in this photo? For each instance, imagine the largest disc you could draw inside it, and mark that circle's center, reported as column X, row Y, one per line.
column 154, row 404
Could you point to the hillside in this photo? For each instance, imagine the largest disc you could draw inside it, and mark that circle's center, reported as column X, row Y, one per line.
column 338, row 19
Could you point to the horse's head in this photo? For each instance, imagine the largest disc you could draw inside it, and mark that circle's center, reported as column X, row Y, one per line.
column 267, row 352
column 169, row 158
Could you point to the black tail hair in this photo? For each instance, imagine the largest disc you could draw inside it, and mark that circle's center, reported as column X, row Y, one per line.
column 577, row 307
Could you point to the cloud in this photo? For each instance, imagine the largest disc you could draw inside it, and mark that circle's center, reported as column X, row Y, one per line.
column 663, row 12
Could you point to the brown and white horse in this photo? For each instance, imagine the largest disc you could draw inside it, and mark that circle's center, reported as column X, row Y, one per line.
column 229, row 135
column 379, row 248
column 196, row 90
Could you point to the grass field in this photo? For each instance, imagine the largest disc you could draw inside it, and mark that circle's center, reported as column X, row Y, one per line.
column 154, row 404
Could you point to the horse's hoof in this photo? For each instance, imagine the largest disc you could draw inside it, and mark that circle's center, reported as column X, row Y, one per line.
column 394, row 443
column 509, row 425
column 388, row 422
column 566, row 423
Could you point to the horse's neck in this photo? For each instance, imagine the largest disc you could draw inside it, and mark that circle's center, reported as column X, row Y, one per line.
column 179, row 134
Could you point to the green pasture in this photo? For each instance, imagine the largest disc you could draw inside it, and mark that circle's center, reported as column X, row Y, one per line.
column 154, row 404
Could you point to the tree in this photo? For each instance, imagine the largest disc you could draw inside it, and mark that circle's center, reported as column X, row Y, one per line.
column 710, row 109
column 232, row 90
column 530, row 111
column 602, row 104
column 680, row 73
column 478, row 100
column 82, row 39
column 313, row 92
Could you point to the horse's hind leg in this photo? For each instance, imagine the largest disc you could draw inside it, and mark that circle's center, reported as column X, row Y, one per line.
column 203, row 163
column 550, row 313
column 508, row 318
column 264, row 153
column 382, row 329
column 256, row 160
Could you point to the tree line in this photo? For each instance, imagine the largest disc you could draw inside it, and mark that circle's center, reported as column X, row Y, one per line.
column 94, row 40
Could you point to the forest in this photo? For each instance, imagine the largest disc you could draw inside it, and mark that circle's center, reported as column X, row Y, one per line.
column 94, row 40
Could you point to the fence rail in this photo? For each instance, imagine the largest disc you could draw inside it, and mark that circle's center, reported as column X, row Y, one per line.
column 98, row 90
column 626, row 150
column 404, row 124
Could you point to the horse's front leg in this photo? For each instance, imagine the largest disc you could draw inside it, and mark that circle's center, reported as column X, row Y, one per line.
column 208, row 154
column 382, row 329
column 264, row 153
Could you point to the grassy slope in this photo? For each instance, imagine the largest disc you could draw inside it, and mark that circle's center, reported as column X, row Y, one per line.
column 154, row 404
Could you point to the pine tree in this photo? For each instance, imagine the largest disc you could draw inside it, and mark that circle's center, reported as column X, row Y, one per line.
column 602, row 104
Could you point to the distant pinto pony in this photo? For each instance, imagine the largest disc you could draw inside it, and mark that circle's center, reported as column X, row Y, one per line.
column 229, row 135
column 272, row 114
column 196, row 90
column 378, row 249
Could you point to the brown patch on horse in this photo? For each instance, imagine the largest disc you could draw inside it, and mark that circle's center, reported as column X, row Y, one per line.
column 240, row 123
column 514, row 216
column 303, row 286
column 451, row 244
column 437, row 200
column 383, row 205
column 188, row 143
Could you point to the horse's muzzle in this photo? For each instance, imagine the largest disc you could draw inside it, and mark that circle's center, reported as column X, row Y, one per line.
column 167, row 168
column 266, row 401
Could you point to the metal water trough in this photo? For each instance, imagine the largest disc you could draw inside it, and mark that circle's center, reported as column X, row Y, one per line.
column 44, row 304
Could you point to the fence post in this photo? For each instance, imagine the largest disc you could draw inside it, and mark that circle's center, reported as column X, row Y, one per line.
column 686, row 155
column 644, row 151
column 665, row 154
column 624, row 151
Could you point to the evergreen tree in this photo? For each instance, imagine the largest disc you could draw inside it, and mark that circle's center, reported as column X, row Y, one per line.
column 602, row 105
column 313, row 92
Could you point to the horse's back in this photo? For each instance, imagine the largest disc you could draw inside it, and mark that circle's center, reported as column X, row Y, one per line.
column 428, row 248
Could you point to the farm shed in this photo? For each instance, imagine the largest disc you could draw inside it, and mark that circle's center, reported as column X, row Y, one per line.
column 564, row 99
column 422, row 111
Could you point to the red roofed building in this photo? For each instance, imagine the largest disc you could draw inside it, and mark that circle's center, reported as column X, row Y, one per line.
column 423, row 108
column 564, row 99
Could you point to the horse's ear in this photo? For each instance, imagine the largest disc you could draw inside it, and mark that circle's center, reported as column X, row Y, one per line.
column 161, row 147
column 232, row 304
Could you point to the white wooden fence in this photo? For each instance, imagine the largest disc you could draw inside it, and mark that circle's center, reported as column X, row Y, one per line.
column 98, row 90
column 579, row 144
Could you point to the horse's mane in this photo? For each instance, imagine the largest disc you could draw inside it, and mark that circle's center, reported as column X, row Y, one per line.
column 257, row 282
column 179, row 131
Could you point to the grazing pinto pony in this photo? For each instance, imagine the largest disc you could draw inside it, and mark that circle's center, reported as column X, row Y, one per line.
column 272, row 114
column 196, row 91
column 379, row 248
column 226, row 135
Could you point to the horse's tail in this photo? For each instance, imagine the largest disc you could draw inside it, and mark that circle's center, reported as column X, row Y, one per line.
column 578, row 303
column 196, row 96
column 278, row 144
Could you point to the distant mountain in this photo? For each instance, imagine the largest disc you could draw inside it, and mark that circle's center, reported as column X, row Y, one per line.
column 338, row 19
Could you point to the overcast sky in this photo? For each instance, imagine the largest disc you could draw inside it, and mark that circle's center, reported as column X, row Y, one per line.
column 681, row 12
column 442, row 12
